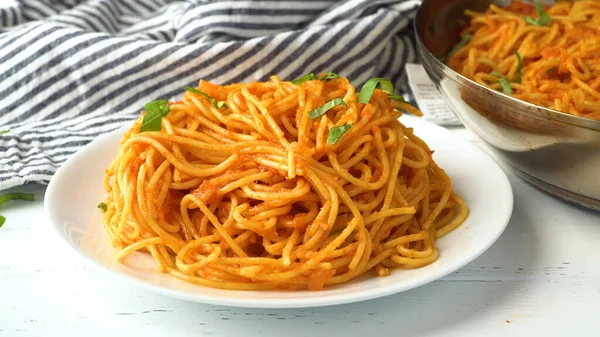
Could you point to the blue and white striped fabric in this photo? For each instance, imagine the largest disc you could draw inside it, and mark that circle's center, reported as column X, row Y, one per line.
column 72, row 70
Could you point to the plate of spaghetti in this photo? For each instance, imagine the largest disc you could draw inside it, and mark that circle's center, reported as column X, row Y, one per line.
column 280, row 194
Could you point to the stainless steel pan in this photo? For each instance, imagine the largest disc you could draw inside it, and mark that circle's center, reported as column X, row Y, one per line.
column 558, row 152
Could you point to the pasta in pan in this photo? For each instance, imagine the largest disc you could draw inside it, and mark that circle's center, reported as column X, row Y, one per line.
column 545, row 55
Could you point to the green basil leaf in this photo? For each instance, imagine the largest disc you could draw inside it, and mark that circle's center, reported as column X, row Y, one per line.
column 3, row 132
column 103, row 206
column 394, row 97
column 196, row 91
column 155, row 111
column 543, row 20
column 329, row 76
column 318, row 112
column 337, row 132
column 219, row 105
column 531, row 21
column 367, row 90
column 213, row 101
column 552, row 70
column 14, row 196
column 504, row 82
column 463, row 42
column 311, row 76
column 505, row 85
column 386, row 86
column 307, row 77
column 519, row 64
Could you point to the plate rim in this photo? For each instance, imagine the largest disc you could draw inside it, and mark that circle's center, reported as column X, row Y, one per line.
column 304, row 302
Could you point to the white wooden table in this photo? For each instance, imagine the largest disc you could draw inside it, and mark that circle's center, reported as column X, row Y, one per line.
column 542, row 278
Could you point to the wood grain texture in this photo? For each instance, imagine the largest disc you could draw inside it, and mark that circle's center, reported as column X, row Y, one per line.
column 542, row 278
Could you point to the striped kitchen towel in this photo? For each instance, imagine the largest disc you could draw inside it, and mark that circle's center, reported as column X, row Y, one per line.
column 71, row 70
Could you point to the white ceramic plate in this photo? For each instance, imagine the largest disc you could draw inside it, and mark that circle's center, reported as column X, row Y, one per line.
column 77, row 187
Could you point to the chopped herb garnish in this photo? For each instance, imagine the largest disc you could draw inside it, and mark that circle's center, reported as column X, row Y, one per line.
column 311, row 76
column 542, row 20
column 552, row 70
column 329, row 76
column 504, row 82
column 155, row 111
column 14, row 196
column 307, row 77
column 505, row 85
column 213, row 101
column 368, row 89
column 463, row 42
column 318, row 112
column 3, row 132
column 519, row 64
column 335, row 133
column 196, row 91
column 103, row 206
column 219, row 104
column 366, row 92
column 531, row 20
column 394, row 97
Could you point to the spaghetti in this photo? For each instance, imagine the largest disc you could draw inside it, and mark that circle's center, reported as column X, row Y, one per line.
column 240, row 188
column 548, row 56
